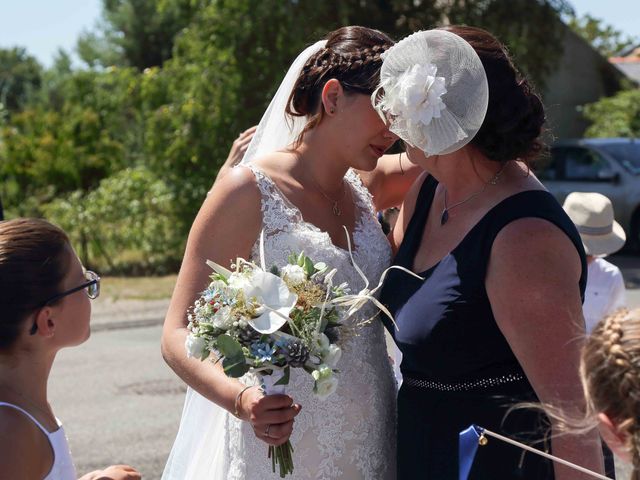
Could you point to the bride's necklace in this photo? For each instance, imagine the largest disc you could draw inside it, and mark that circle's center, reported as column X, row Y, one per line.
column 444, row 217
column 335, row 206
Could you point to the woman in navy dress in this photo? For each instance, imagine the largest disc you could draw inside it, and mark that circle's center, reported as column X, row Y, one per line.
column 497, row 319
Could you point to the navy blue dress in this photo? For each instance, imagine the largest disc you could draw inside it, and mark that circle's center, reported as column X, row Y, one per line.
column 457, row 366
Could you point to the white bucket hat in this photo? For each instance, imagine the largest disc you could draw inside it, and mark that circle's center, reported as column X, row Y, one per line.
column 592, row 213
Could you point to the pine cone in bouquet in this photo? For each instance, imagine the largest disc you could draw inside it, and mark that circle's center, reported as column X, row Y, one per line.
column 296, row 353
column 246, row 335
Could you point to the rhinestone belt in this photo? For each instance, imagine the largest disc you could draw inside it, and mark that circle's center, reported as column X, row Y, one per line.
column 464, row 386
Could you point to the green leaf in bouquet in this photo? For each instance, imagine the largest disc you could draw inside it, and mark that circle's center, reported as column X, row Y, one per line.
column 216, row 277
column 229, row 347
column 301, row 258
column 309, row 269
column 292, row 259
column 275, row 270
column 236, row 366
column 285, row 378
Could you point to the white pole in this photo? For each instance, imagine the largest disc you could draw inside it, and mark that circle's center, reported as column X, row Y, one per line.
column 543, row 454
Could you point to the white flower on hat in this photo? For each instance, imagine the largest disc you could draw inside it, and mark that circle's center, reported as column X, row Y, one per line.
column 419, row 98
column 433, row 91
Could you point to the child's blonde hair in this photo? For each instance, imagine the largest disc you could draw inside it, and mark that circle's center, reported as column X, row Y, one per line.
column 610, row 372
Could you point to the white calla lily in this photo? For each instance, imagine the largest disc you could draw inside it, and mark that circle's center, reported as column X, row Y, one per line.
column 275, row 301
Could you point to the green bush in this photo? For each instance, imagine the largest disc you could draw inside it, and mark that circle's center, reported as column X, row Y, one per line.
column 616, row 116
column 126, row 225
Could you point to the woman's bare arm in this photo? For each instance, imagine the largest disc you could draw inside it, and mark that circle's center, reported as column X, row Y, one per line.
column 391, row 180
column 532, row 283
column 225, row 228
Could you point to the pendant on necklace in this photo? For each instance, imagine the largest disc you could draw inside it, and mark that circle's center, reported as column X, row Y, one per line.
column 336, row 209
column 444, row 218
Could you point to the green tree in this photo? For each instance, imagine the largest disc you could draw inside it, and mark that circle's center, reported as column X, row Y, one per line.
column 531, row 29
column 20, row 77
column 92, row 134
column 616, row 116
column 136, row 33
column 604, row 38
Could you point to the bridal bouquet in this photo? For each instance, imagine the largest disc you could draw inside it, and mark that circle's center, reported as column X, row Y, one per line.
column 269, row 321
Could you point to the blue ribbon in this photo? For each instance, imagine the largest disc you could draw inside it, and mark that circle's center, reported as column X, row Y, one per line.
column 467, row 447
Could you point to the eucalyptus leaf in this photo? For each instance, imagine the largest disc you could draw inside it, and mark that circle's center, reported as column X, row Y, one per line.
column 236, row 366
column 229, row 347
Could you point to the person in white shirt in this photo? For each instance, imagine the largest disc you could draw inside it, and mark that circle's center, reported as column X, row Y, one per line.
column 592, row 213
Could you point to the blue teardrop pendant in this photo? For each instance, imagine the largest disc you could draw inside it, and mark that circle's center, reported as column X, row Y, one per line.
column 444, row 218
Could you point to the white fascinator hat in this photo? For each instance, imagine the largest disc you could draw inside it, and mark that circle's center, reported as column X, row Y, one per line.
column 433, row 91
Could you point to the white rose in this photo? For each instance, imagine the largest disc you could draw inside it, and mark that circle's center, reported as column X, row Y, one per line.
column 239, row 281
column 223, row 318
column 326, row 387
column 196, row 347
column 295, row 274
column 333, row 355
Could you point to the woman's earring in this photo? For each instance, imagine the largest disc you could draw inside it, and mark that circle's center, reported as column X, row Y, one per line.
column 332, row 110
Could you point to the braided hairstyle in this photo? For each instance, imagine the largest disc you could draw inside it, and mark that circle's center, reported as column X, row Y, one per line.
column 610, row 371
column 352, row 55
column 515, row 114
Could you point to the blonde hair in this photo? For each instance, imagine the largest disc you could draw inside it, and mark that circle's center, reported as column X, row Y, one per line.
column 610, row 373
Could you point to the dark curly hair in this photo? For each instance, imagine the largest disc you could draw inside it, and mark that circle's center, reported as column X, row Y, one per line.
column 515, row 115
column 351, row 56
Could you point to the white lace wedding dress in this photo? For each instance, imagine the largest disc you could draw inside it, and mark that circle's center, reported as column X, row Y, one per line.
column 350, row 435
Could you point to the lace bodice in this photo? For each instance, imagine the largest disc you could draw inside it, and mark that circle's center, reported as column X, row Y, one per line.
column 351, row 435
column 286, row 231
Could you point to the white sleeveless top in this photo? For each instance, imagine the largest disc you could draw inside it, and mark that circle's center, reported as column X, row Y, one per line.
column 63, row 468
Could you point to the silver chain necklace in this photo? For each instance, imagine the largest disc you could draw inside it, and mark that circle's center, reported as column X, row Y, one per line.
column 335, row 207
column 444, row 217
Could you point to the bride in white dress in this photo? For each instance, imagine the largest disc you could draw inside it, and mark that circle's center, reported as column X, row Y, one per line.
column 298, row 184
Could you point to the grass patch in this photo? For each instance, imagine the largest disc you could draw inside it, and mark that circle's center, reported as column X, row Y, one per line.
column 137, row 288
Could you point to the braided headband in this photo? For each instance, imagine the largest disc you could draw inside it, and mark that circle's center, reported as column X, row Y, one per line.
column 329, row 57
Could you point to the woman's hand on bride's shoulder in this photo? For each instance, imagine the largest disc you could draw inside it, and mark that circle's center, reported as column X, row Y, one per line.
column 271, row 416
column 114, row 472
column 238, row 149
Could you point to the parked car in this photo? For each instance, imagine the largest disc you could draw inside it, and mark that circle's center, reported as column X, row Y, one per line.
column 610, row 166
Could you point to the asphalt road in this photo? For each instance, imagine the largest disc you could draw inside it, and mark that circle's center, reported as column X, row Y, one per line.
column 119, row 401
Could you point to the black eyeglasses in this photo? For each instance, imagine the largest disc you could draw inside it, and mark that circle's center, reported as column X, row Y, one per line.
column 93, row 290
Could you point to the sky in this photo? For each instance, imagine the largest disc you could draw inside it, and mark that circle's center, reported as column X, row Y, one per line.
column 43, row 26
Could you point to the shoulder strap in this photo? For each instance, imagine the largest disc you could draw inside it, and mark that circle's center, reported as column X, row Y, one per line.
column 363, row 196
column 15, row 407
column 277, row 210
column 413, row 233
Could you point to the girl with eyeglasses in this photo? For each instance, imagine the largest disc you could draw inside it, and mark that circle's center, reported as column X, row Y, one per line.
column 45, row 302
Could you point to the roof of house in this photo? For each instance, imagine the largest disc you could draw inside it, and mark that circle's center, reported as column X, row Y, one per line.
column 629, row 62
